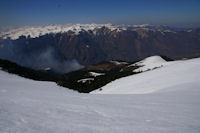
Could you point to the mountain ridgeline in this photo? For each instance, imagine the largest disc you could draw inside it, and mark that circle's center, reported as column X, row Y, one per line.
column 97, row 45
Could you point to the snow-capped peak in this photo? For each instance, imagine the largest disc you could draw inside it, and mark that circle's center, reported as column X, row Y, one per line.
column 36, row 31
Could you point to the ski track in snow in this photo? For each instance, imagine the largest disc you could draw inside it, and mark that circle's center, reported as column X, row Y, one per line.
column 28, row 106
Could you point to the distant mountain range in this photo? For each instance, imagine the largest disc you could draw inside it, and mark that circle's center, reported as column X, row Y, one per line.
column 72, row 46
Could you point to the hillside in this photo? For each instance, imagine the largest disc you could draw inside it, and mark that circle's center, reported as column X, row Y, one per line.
column 171, row 75
column 162, row 100
column 84, row 80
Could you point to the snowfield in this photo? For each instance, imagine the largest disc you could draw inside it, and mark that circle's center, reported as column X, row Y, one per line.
column 164, row 100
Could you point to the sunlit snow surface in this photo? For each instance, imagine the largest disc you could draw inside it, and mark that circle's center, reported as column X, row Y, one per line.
column 150, row 63
column 28, row 106
column 172, row 75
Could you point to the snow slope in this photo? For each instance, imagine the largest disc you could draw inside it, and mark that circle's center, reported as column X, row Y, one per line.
column 150, row 63
column 28, row 106
column 176, row 73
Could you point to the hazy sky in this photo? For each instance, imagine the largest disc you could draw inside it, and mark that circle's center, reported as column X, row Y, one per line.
column 37, row 12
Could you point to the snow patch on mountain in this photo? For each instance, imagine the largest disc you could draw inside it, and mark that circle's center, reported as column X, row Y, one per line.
column 169, row 31
column 95, row 74
column 85, row 80
column 118, row 62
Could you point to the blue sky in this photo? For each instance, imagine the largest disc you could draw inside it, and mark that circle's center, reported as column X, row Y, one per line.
column 181, row 13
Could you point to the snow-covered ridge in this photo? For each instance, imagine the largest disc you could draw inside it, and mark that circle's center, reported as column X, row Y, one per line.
column 174, row 74
column 150, row 63
column 36, row 31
